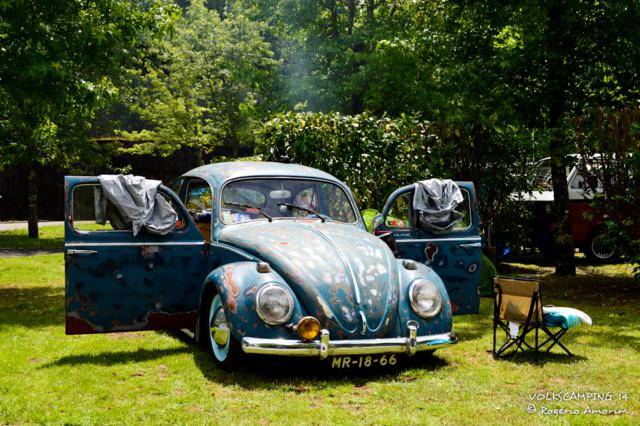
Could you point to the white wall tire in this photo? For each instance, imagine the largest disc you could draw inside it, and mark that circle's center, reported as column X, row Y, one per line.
column 225, row 352
column 217, row 320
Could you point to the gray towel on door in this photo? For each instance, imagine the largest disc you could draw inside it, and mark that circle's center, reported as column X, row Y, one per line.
column 138, row 202
column 435, row 201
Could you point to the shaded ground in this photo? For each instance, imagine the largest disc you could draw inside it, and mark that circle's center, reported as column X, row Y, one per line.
column 51, row 238
column 46, row 376
column 27, row 252
column 9, row 226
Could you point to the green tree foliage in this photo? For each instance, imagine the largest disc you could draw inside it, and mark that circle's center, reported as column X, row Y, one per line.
column 510, row 70
column 60, row 62
column 609, row 141
column 202, row 85
column 376, row 155
column 493, row 83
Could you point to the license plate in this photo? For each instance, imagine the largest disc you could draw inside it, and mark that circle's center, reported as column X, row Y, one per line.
column 363, row 361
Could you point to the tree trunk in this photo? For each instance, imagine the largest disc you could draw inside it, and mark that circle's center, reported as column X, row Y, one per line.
column 335, row 31
column 352, row 16
column 32, row 191
column 558, row 50
column 371, row 7
column 563, row 233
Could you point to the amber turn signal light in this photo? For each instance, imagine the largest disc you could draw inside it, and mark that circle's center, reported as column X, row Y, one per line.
column 308, row 328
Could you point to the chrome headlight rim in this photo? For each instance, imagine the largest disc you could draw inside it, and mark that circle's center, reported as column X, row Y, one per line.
column 415, row 308
column 258, row 306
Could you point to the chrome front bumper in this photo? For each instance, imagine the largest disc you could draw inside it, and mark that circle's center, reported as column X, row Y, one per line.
column 324, row 347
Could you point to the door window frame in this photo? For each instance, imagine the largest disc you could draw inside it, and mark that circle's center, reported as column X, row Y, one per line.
column 409, row 189
column 76, row 237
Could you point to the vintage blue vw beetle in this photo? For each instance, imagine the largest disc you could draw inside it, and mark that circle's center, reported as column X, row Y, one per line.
column 265, row 258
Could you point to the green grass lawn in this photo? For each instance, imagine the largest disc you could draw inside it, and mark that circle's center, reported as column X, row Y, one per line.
column 152, row 377
column 51, row 237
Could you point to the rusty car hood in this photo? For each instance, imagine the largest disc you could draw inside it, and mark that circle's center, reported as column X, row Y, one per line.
column 342, row 275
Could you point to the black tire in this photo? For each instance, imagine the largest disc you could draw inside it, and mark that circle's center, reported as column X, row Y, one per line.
column 598, row 250
column 224, row 356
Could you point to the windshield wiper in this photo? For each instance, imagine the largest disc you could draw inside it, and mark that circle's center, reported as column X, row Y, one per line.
column 249, row 206
column 306, row 209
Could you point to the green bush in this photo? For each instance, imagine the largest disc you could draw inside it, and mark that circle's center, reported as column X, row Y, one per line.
column 373, row 155
column 376, row 155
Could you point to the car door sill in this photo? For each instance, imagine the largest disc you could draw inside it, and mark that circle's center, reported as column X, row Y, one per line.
column 420, row 240
column 101, row 244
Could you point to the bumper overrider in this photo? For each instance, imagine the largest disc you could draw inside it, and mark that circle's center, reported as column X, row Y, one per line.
column 324, row 347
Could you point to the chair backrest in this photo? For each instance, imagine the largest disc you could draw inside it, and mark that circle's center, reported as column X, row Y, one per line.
column 515, row 298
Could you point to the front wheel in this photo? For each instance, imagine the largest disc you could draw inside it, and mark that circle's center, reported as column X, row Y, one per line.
column 600, row 249
column 215, row 334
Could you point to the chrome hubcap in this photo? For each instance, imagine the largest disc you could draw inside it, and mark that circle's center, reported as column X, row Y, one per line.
column 220, row 328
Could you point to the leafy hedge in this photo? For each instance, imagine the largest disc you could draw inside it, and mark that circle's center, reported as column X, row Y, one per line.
column 372, row 155
column 376, row 155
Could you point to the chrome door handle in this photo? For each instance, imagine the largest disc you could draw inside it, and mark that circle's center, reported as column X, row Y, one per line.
column 470, row 245
column 73, row 252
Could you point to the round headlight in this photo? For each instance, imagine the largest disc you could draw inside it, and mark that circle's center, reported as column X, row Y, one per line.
column 425, row 298
column 274, row 304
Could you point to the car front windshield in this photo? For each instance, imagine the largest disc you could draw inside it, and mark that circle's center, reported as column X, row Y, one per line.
column 283, row 198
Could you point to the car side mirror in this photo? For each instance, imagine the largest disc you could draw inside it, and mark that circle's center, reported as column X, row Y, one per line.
column 390, row 241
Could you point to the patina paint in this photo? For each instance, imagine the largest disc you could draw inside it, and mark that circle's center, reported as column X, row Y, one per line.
column 118, row 282
column 442, row 322
column 237, row 283
column 342, row 275
column 455, row 256
column 338, row 273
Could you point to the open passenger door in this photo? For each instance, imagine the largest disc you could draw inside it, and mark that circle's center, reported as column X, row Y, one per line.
column 116, row 281
column 454, row 255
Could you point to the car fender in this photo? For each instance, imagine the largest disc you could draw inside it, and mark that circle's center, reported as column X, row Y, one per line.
column 237, row 284
column 442, row 322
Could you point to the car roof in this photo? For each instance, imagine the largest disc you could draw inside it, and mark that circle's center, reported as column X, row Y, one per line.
column 219, row 173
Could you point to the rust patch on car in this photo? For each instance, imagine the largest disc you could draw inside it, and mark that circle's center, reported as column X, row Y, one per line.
column 149, row 251
column 431, row 251
column 232, row 288
column 74, row 324
column 166, row 320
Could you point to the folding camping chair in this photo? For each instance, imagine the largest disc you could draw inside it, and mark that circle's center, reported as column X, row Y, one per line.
column 517, row 309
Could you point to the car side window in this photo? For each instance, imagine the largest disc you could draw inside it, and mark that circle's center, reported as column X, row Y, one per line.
column 89, row 214
column 198, row 197
column 399, row 215
column 199, row 202
column 175, row 186
column 465, row 209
